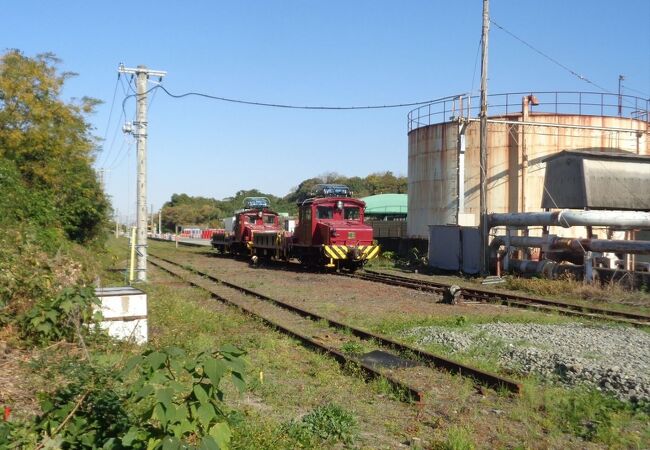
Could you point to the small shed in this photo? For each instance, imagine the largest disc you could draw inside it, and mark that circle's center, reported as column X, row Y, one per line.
column 597, row 180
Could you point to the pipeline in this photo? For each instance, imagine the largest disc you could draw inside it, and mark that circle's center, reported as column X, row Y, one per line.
column 563, row 248
column 569, row 218
column 554, row 243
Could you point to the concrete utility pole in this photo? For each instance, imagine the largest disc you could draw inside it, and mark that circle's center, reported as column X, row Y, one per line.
column 117, row 218
column 160, row 221
column 140, row 133
column 484, row 266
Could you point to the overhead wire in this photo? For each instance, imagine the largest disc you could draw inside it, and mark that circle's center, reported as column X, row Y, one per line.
column 288, row 106
column 119, row 153
column 118, row 161
column 478, row 49
column 110, row 116
column 550, row 58
column 635, row 90
column 108, row 153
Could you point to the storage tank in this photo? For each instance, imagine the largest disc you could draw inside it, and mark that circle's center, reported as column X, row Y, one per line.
column 523, row 129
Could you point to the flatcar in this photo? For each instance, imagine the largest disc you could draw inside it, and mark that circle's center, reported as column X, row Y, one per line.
column 255, row 219
column 331, row 231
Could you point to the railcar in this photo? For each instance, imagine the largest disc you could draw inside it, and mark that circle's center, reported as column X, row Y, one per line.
column 254, row 230
column 331, row 231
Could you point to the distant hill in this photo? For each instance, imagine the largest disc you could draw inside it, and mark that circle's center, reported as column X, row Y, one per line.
column 184, row 210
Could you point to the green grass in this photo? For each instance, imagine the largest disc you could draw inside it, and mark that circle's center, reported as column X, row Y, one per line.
column 326, row 424
column 397, row 324
column 287, row 383
column 458, row 438
column 585, row 413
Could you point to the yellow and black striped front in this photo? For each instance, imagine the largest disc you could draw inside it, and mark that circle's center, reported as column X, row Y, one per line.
column 367, row 252
column 336, row 251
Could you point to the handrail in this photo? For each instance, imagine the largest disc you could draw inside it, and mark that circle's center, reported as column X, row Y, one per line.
column 554, row 102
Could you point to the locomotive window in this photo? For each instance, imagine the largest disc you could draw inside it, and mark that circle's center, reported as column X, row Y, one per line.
column 269, row 219
column 325, row 212
column 251, row 219
column 352, row 213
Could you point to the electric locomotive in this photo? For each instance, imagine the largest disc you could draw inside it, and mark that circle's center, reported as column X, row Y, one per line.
column 248, row 232
column 330, row 231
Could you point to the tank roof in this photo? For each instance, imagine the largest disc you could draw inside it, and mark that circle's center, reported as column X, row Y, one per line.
column 599, row 154
column 386, row 204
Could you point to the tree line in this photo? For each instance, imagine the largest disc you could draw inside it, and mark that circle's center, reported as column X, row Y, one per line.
column 185, row 210
column 46, row 153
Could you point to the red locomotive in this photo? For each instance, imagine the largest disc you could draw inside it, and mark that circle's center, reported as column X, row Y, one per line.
column 256, row 218
column 330, row 231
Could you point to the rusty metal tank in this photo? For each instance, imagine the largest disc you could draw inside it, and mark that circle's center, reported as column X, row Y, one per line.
column 523, row 129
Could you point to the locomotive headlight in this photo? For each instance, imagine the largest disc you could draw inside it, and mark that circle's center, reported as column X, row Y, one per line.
column 259, row 214
column 333, row 232
column 339, row 204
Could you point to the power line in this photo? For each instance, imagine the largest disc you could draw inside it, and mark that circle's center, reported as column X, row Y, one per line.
column 117, row 128
column 550, row 58
column 286, row 106
column 478, row 49
column 135, row 95
column 110, row 115
column 118, row 161
column 645, row 94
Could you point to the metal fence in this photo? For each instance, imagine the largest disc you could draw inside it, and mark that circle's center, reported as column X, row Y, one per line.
column 555, row 102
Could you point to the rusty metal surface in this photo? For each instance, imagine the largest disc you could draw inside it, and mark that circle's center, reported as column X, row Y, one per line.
column 432, row 160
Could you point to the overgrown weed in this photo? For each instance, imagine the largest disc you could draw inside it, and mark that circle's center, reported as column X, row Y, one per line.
column 569, row 287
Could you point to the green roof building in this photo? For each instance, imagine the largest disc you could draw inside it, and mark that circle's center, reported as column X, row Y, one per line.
column 386, row 206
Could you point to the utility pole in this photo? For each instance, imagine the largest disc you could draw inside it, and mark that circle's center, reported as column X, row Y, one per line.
column 140, row 133
column 102, row 173
column 151, row 220
column 620, row 99
column 484, row 266
column 160, row 221
column 117, row 216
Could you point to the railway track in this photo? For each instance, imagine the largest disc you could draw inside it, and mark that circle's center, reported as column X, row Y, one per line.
column 513, row 300
column 325, row 334
column 506, row 299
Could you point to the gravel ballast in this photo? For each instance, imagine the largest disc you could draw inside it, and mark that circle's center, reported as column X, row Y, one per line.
column 612, row 359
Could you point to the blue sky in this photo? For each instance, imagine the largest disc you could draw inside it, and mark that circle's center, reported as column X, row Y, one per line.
column 316, row 53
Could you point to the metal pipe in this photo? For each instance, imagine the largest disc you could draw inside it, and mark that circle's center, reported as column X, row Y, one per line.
column 578, row 245
column 568, row 218
column 545, row 268
column 630, row 247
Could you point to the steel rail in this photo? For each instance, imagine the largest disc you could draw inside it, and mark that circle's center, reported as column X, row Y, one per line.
column 489, row 379
column 368, row 370
column 566, row 308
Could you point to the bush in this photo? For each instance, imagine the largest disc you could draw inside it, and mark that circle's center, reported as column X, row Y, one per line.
column 53, row 319
column 162, row 399
column 180, row 399
column 327, row 423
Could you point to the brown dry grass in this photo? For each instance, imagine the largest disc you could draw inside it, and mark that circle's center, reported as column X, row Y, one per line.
column 570, row 288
